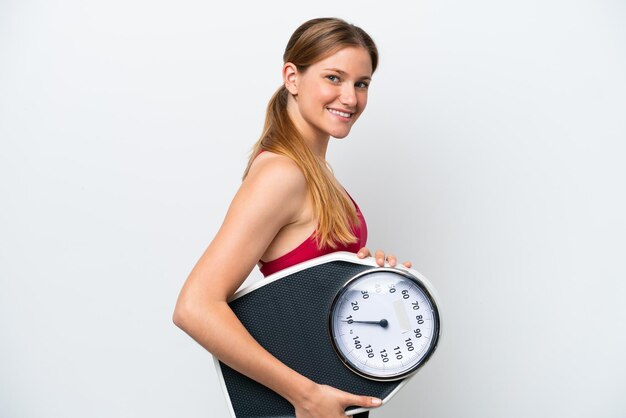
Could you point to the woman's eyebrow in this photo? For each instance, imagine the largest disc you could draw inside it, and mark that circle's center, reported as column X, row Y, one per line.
column 337, row 70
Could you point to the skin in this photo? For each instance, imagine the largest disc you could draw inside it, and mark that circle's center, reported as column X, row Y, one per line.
column 273, row 205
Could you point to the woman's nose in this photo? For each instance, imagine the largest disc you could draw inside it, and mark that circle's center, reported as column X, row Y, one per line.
column 348, row 95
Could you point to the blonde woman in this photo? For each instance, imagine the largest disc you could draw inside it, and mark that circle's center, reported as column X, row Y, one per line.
column 292, row 204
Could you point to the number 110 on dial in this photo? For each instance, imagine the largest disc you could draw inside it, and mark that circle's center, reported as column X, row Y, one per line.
column 384, row 324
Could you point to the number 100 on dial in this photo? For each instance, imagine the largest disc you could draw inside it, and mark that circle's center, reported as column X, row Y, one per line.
column 384, row 324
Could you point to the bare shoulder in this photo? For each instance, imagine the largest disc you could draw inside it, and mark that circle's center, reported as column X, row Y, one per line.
column 276, row 175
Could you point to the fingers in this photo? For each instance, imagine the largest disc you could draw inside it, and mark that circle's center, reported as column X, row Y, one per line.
column 327, row 401
column 363, row 252
column 364, row 401
column 380, row 257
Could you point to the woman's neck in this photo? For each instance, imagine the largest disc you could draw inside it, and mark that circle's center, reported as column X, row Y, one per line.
column 317, row 145
column 316, row 140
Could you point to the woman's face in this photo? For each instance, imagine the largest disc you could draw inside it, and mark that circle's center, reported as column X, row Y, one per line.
column 331, row 94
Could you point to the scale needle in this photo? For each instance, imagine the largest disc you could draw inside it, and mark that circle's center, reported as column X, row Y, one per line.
column 383, row 322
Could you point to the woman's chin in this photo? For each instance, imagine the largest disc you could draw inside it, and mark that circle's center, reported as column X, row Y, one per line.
column 340, row 134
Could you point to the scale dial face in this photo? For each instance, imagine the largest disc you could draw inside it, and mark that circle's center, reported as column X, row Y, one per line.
column 384, row 324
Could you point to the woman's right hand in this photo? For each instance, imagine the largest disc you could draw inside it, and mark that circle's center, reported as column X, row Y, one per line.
column 327, row 402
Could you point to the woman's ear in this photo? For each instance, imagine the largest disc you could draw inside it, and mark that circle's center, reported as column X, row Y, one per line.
column 290, row 78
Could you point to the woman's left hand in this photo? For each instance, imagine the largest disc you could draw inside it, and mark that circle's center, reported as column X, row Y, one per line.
column 381, row 258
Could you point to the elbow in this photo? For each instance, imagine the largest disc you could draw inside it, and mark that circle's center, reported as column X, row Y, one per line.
column 178, row 318
column 196, row 311
column 181, row 315
column 190, row 313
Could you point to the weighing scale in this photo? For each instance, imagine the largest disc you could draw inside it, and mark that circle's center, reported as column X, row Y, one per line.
column 340, row 320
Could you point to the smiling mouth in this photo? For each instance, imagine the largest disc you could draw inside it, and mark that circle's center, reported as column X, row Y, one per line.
column 340, row 113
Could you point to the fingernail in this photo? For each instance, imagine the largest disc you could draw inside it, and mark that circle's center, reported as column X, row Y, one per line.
column 376, row 401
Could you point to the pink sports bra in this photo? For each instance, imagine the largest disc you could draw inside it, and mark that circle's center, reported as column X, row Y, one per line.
column 308, row 249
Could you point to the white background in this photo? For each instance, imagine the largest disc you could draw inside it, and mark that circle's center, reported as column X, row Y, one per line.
column 491, row 155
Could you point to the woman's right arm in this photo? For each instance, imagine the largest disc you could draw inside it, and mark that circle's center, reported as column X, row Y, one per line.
column 272, row 196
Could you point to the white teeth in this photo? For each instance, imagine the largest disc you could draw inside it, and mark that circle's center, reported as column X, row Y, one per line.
column 337, row 112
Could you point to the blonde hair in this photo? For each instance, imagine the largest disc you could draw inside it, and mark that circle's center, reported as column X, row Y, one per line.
column 313, row 41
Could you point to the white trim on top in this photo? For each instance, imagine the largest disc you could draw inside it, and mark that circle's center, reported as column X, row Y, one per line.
column 336, row 256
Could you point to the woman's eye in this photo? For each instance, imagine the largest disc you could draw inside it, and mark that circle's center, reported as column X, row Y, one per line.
column 362, row 85
column 333, row 78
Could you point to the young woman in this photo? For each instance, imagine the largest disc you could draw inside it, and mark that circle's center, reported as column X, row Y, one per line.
column 292, row 204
